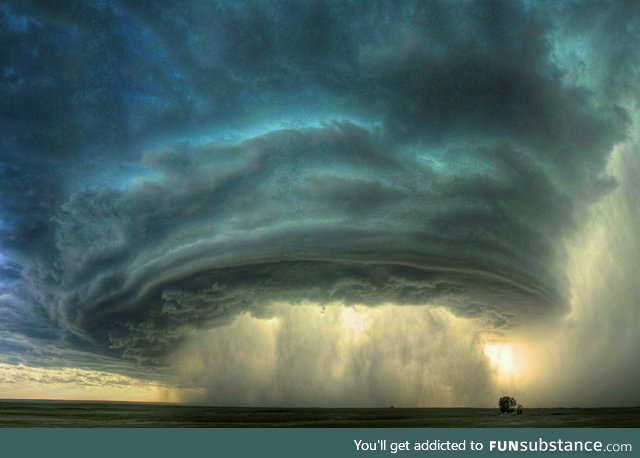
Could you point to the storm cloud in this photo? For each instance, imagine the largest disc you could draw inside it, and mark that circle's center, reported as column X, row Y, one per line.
column 166, row 169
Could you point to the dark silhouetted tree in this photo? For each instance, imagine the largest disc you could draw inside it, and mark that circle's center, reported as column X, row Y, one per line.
column 507, row 404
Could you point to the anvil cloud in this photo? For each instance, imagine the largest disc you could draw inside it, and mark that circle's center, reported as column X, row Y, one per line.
column 168, row 168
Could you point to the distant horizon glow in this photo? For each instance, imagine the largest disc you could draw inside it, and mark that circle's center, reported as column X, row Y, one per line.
column 22, row 382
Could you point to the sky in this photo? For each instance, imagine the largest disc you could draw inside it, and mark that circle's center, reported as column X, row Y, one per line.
column 322, row 203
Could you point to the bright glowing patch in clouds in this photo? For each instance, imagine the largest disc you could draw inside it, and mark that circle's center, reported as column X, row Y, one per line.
column 503, row 359
column 519, row 366
column 354, row 320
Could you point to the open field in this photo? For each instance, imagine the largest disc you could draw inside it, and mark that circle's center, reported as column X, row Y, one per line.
column 126, row 415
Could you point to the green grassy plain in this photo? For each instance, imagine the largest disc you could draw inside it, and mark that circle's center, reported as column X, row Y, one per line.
column 76, row 414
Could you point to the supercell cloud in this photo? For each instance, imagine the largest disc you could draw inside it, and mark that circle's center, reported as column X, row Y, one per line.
column 169, row 169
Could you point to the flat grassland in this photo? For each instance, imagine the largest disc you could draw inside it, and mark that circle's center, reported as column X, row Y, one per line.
column 80, row 414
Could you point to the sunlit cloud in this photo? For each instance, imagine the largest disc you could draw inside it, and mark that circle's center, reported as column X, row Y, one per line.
column 23, row 382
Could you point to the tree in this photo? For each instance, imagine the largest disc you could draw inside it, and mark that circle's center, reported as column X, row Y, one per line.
column 507, row 404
